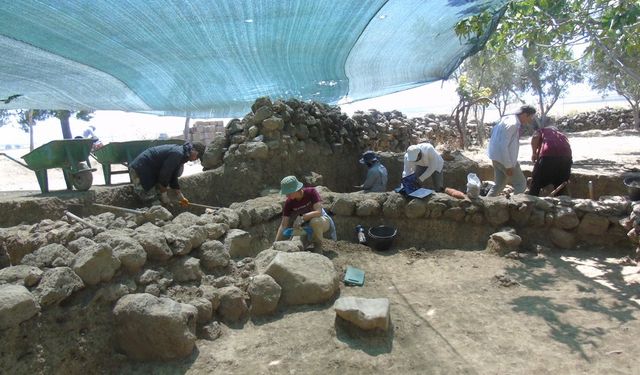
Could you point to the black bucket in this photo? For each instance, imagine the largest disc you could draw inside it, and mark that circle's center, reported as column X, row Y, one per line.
column 633, row 184
column 381, row 237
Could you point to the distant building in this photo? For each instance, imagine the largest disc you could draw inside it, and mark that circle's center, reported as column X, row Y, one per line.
column 206, row 131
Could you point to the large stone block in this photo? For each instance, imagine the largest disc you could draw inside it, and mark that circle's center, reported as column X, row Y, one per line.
column 566, row 218
column 594, row 225
column 305, row 278
column 562, row 238
column 238, row 243
column 149, row 328
column 20, row 274
column 366, row 313
column 16, row 305
column 394, row 205
column 233, row 306
column 52, row 255
column 416, row 208
column 502, row 243
column 213, row 254
column 496, row 210
column 56, row 285
column 265, row 294
column 95, row 264
column 343, row 206
column 368, row 207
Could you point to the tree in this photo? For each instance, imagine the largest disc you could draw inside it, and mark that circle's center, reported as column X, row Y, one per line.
column 495, row 72
column 606, row 76
column 563, row 23
column 62, row 114
column 469, row 97
column 548, row 80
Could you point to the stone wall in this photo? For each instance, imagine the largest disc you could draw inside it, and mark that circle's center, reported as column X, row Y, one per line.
column 441, row 221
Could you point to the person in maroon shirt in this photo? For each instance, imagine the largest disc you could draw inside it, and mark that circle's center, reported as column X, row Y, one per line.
column 302, row 205
column 551, row 155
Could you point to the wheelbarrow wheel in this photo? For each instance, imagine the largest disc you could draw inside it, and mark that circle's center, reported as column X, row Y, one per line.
column 83, row 180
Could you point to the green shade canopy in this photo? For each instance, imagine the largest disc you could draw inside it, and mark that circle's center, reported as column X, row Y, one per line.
column 213, row 58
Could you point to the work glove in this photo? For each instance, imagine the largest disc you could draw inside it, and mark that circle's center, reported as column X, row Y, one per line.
column 184, row 202
column 164, row 198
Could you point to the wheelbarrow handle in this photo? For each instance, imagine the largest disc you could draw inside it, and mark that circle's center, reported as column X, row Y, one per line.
column 203, row 206
column 84, row 222
column 16, row 160
column 116, row 208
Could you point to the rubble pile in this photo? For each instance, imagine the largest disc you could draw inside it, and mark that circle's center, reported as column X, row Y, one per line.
column 285, row 126
column 602, row 119
column 165, row 281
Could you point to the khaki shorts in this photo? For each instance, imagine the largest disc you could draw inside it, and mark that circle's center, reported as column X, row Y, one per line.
column 320, row 226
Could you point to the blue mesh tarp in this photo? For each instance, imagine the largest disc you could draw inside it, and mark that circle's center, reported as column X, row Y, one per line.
column 214, row 58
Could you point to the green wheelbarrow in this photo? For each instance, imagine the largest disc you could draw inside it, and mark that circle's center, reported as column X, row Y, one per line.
column 124, row 153
column 72, row 155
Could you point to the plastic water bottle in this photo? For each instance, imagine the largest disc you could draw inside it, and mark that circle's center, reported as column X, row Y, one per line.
column 361, row 236
column 590, row 188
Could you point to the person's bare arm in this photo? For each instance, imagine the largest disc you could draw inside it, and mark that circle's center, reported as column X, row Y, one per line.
column 535, row 146
column 317, row 212
column 283, row 224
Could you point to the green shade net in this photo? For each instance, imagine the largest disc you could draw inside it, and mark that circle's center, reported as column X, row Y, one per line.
column 214, row 58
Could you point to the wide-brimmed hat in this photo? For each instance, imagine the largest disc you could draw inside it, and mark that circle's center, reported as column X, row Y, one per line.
column 412, row 153
column 289, row 185
column 368, row 157
column 528, row 109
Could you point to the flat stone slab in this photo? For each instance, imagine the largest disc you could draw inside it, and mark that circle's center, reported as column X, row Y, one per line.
column 366, row 313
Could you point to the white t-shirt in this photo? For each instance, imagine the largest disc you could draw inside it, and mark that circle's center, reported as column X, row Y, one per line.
column 429, row 158
column 504, row 144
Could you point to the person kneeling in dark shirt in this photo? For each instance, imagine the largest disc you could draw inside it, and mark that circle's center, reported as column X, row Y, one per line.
column 156, row 170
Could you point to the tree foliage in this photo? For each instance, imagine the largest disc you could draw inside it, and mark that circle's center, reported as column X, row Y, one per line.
column 545, row 32
column 606, row 76
column 470, row 97
column 498, row 73
column 63, row 115
column 548, row 79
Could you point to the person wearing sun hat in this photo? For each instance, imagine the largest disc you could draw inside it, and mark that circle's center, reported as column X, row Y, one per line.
column 377, row 176
column 503, row 149
column 423, row 160
column 304, row 206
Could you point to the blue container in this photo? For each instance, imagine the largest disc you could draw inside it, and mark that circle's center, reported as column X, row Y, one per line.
column 381, row 237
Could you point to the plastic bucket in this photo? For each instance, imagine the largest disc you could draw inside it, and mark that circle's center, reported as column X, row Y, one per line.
column 633, row 184
column 381, row 237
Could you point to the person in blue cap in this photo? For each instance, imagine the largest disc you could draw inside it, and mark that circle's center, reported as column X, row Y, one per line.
column 377, row 176
column 304, row 207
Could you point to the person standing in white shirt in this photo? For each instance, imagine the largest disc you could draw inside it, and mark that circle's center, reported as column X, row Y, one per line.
column 504, row 146
column 423, row 160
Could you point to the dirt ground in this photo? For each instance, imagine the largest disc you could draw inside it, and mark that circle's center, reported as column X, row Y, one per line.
column 452, row 312
column 601, row 152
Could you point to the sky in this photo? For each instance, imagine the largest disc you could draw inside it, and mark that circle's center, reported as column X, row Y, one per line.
column 438, row 98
